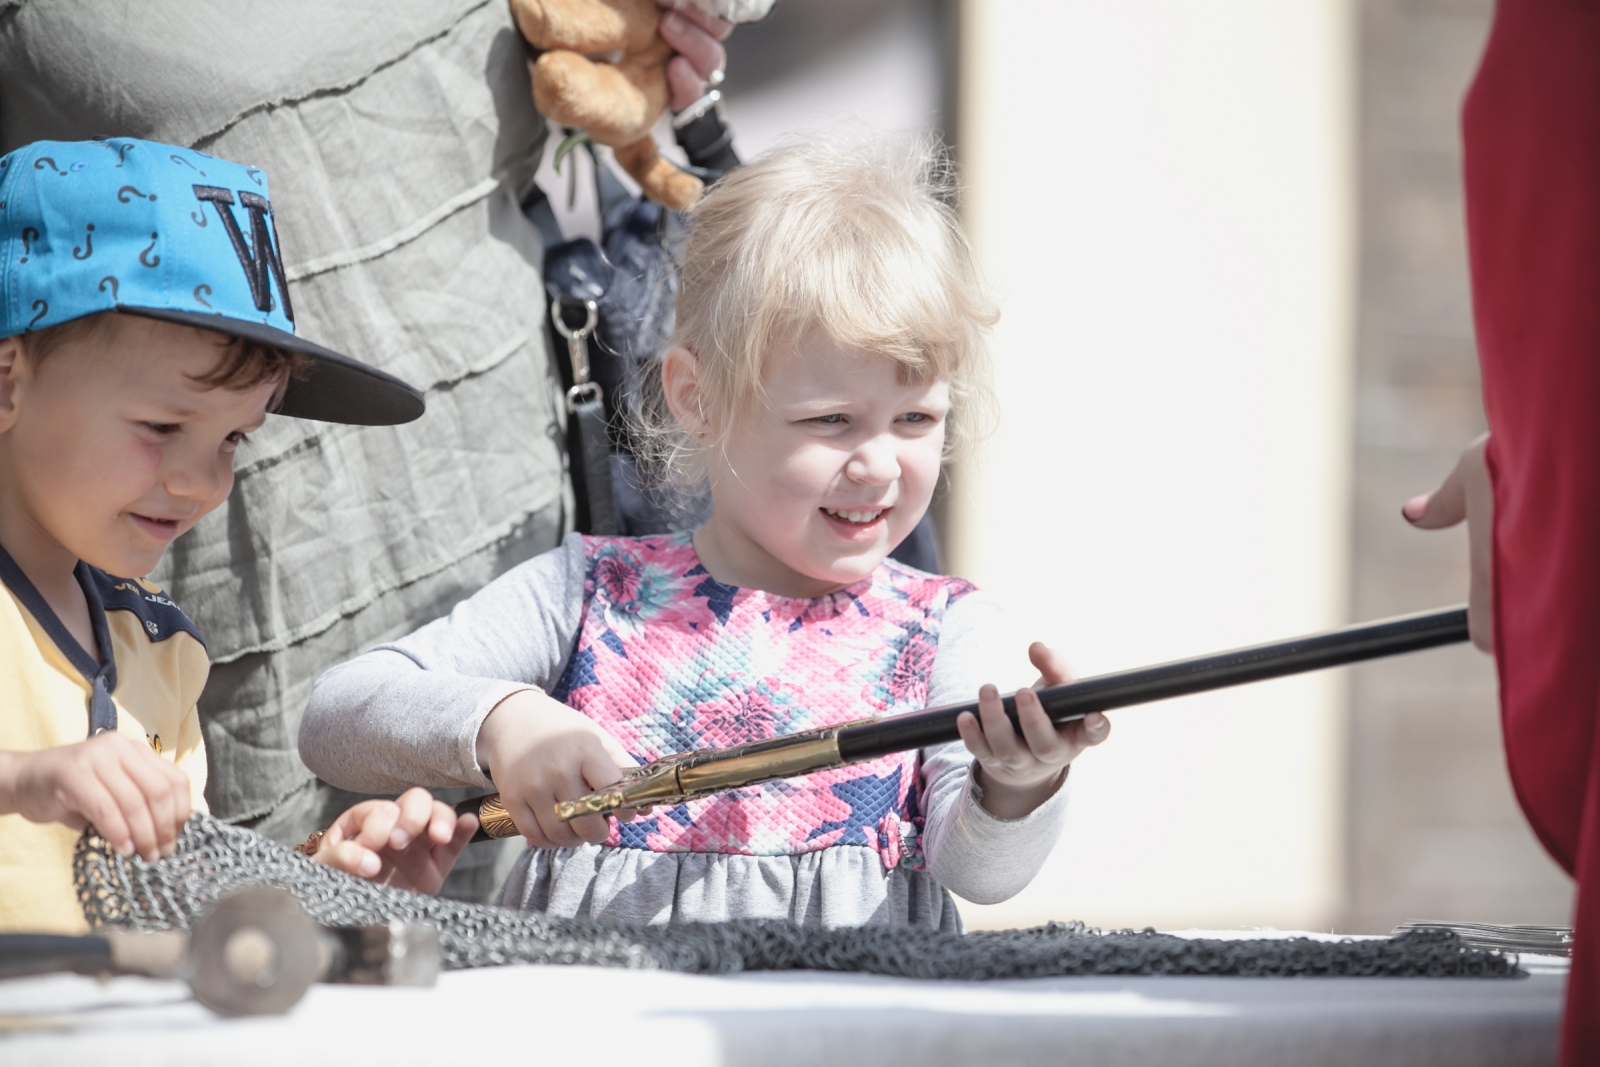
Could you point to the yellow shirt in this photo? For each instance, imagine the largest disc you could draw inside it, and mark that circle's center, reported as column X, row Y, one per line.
column 160, row 666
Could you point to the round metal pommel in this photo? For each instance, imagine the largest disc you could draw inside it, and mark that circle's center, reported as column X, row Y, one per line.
column 256, row 952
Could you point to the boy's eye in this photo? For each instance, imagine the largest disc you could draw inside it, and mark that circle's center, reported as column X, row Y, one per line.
column 238, row 437
column 162, row 429
column 915, row 416
column 829, row 420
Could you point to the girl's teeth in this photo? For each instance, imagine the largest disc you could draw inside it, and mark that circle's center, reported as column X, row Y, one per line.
column 854, row 516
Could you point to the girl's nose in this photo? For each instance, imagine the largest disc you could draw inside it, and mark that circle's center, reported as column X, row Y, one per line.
column 874, row 462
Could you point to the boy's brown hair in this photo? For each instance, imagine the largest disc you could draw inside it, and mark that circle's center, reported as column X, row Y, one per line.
column 242, row 364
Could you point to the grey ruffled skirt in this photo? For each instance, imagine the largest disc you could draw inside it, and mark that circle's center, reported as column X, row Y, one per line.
column 840, row 886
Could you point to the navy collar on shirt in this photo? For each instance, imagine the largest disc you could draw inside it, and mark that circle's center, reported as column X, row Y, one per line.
column 102, row 677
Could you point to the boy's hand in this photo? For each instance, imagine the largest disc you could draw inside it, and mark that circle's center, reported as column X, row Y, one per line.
column 1018, row 773
column 539, row 751
column 137, row 800
column 409, row 843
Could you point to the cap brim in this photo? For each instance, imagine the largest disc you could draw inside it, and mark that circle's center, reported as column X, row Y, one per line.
column 331, row 388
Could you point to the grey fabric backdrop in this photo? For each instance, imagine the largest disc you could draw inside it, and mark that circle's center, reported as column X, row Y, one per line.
column 398, row 138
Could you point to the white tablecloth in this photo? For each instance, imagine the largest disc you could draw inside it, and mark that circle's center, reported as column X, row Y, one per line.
column 587, row 1015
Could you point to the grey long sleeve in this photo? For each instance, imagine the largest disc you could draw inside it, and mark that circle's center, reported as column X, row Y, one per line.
column 408, row 713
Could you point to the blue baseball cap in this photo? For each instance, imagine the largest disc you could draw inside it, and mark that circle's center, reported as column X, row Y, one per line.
column 173, row 234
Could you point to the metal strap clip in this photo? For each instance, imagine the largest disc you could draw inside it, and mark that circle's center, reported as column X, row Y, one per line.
column 583, row 390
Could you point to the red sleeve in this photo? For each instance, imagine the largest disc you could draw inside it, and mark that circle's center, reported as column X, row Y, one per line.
column 1531, row 131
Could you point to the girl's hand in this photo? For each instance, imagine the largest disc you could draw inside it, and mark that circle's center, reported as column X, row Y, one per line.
column 539, row 752
column 696, row 37
column 1466, row 494
column 1018, row 773
column 409, row 843
column 137, row 800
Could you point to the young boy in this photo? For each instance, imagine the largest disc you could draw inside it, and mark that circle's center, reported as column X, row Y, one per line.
column 145, row 330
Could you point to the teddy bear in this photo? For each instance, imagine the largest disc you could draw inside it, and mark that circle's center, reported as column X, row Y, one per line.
column 602, row 68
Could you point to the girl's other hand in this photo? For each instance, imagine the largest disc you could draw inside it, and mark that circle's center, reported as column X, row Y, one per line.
column 409, row 843
column 540, row 752
column 1018, row 772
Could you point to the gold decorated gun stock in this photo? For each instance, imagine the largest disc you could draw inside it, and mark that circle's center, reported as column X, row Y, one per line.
column 673, row 780
column 690, row 775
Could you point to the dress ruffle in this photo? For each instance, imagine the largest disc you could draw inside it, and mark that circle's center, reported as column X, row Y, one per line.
column 840, row 886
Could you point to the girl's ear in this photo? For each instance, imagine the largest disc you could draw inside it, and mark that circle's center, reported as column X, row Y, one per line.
column 680, row 382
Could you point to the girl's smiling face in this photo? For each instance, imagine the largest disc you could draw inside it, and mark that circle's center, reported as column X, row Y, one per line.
column 816, row 482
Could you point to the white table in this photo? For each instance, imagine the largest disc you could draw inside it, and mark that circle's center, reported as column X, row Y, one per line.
column 585, row 1015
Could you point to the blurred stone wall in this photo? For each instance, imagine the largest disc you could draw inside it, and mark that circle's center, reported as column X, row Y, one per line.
column 1434, row 831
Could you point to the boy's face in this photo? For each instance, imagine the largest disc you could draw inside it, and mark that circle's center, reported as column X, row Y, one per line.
column 821, row 482
column 110, row 449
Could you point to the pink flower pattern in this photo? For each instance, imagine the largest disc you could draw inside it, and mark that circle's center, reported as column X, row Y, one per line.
column 668, row 660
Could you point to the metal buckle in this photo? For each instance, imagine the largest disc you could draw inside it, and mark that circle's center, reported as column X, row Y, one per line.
column 578, row 350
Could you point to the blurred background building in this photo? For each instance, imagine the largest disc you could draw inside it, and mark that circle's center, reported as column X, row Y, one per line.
column 1227, row 241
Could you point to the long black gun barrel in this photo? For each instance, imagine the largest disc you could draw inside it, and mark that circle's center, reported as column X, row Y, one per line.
column 1146, row 685
column 675, row 779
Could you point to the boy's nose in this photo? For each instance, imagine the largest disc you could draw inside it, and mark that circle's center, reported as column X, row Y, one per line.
column 197, row 481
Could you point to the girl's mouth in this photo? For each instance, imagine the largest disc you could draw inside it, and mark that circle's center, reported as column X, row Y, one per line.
column 855, row 521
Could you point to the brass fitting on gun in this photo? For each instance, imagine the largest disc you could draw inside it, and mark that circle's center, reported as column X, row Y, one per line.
column 691, row 775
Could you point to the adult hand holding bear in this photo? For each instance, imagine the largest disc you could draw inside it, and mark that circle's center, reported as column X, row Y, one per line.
column 611, row 67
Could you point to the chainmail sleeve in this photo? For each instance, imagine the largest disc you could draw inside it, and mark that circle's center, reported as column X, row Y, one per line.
column 970, row 852
column 408, row 712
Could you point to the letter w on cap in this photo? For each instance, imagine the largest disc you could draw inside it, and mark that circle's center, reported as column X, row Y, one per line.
column 263, row 235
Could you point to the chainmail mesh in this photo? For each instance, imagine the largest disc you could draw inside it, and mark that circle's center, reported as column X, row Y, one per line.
column 213, row 858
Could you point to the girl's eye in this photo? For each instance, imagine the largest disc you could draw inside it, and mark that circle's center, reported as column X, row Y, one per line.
column 915, row 416
column 238, row 437
column 162, row 429
column 829, row 420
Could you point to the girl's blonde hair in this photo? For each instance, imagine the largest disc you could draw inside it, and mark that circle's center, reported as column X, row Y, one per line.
column 859, row 240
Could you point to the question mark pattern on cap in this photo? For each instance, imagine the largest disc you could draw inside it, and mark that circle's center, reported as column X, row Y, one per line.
column 113, row 280
column 39, row 163
column 88, row 245
column 151, row 261
column 179, row 159
column 202, row 299
column 122, row 194
column 43, row 308
column 26, row 238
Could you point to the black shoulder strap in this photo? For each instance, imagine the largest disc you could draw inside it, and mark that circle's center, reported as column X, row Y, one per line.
column 536, row 205
column 588, row 442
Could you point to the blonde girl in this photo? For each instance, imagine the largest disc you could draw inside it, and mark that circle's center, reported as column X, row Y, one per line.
column 828, row 327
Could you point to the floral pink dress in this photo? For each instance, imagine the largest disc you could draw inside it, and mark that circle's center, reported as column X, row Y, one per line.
column 669, row 659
